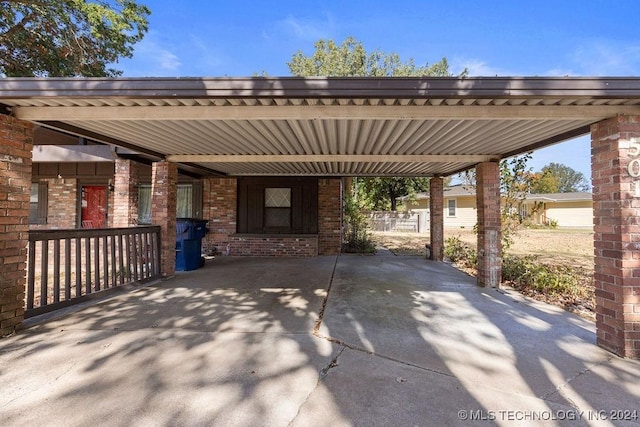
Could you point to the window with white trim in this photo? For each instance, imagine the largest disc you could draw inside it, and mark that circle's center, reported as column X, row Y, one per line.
column 451, row 207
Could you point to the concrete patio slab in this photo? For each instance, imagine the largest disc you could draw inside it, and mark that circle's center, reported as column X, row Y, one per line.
column 403, row 341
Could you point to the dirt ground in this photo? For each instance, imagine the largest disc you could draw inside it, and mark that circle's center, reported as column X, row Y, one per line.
column 572, row 248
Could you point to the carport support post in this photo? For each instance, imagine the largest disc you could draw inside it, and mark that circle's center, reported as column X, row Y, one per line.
column 16, row 151
column 125, row 198
column 489, row 224
column 615, row 167
column 436, row 213
column 164, row 200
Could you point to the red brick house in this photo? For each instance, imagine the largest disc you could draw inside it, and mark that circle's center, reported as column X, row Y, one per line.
column 73, row 186
column 262, row 149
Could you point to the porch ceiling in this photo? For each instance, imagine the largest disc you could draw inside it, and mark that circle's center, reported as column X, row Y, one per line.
column 324, row 126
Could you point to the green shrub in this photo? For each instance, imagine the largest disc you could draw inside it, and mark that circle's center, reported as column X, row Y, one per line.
column 522, row 272
column 460, row 253
column 357, row 238
column 551, row 279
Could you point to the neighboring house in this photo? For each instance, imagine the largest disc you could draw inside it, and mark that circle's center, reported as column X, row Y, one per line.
column 459, row 205
column 564, row 209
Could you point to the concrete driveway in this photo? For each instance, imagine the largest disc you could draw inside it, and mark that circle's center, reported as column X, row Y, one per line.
column 328, row 341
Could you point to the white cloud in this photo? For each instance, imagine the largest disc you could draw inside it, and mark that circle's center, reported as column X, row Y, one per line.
column 167, row 60
column 561, row 72
column 205, row 56
column 151, row 58
column 607, row 58
column 478, row 68
column 306, row 29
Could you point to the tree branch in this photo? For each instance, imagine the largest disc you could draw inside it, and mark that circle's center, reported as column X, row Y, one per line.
column 19, row 26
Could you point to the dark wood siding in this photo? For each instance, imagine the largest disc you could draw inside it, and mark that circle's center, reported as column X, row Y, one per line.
column 304, row 204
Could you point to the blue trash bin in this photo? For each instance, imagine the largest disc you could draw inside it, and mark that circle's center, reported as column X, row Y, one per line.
column 189, row 235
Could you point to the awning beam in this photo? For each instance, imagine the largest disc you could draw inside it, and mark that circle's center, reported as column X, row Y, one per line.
column 323, row 112
column 339, row 158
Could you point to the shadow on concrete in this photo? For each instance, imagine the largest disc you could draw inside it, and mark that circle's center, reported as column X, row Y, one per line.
column 403, row 341
column 460, row 351
column 229, row 344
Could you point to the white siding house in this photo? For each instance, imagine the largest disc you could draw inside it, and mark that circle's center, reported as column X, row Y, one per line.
column 567, row 210
column 459, row 206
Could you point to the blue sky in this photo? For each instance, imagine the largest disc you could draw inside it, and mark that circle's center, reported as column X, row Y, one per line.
column 504, row 38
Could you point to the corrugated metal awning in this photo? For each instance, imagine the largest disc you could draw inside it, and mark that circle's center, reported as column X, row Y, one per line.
column 324, row 126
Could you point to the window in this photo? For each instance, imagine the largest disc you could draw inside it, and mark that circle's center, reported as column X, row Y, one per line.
column 278, row 205
column 451, row 205
column 189, row 203
column 277, row 208
column 185, row 201
column 524, row 211
column 38, row 203
column 144, row 204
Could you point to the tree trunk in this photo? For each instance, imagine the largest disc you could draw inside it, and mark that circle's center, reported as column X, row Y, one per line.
column 392, row 197
column 348, row 185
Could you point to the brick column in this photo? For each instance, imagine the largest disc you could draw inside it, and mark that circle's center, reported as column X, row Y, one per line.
column 62, row 204
column 164, row 200
column 489, row 227
column 219, row 207
column 16, row 149
column 125, row 198
column 436, row 213
column 615, row 166
column 329, row 216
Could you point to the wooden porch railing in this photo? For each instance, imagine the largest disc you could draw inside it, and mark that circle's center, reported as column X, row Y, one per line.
column 68, row 266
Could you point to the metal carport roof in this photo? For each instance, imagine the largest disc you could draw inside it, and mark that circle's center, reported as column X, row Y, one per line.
column 393, row 126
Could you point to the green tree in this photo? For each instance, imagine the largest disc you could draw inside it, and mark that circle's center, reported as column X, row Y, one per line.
column 562, row 178
column 515, row 184
column 380, row 194
column 544, row 183
column 351, row 59
column 66, row 38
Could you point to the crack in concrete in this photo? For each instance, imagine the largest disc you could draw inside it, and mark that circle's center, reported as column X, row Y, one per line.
column 316, row 327
column 322, row 374
column 382, row 356
column 333, row 364
column 316, row 333
column 573, row 378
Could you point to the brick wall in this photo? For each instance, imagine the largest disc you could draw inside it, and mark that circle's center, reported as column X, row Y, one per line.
column 163, row 212
column 329, row 216
column 220, row 209
column 16, row 147
column 62, row 204
column 289, row 246
column 615, row 164
column 125, row 195
column 436, row 199
column 489, row 224
column 219, row 206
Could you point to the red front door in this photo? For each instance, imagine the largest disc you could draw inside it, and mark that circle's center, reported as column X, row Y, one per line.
column 94, row 206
